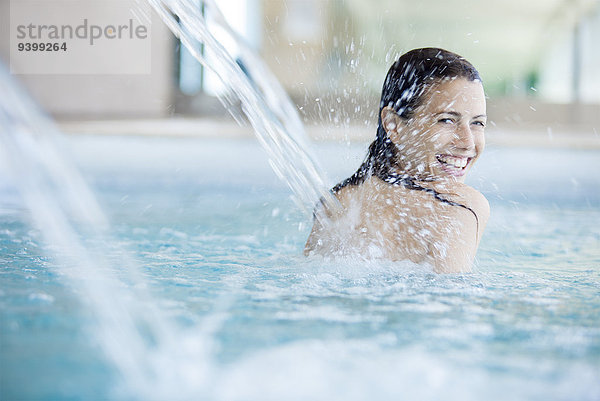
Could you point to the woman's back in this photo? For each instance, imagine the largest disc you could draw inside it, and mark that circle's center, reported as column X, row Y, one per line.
column 381, row 220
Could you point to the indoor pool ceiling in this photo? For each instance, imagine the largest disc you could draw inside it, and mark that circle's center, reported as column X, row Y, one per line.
column 514, row 33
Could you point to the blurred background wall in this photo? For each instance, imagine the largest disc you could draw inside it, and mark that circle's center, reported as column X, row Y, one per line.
column 539, row 60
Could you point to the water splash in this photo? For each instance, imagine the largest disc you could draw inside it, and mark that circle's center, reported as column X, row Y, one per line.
column 133, row 334
column 274, row 118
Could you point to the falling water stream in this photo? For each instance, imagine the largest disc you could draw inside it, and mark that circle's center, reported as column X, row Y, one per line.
column 131, row 332
column 135, row 337
column 266, row 105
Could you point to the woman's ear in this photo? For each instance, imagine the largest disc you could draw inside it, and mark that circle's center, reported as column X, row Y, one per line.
column 391, row 123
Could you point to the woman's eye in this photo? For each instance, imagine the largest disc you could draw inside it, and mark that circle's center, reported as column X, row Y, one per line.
column 479, row 123
column 445, row 121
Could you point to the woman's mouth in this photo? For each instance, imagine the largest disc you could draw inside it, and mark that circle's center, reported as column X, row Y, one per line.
column 454, row 165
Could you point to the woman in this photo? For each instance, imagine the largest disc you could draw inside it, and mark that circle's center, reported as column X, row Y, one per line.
column 408, row 200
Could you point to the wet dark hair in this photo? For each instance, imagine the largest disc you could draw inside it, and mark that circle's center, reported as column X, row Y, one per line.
column 406, row 82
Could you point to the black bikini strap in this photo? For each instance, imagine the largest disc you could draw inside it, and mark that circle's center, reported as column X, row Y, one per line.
column 409, row 182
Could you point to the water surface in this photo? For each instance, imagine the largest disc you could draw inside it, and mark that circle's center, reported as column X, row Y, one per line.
column 219, row 241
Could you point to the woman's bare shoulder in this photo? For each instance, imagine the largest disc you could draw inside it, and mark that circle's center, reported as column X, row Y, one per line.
column 350, row 193
column 360, row 197
column 343, row 195
column 475, row 200
column 465, row 195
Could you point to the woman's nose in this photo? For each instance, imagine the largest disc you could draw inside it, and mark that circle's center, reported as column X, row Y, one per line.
column 463, row 137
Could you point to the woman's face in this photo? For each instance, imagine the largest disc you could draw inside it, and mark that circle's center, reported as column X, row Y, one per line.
column 445, row 135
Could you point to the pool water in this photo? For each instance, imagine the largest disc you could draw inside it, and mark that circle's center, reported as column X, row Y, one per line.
column 219, row 240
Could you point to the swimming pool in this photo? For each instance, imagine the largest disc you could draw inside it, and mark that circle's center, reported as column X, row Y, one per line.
column 219, row 241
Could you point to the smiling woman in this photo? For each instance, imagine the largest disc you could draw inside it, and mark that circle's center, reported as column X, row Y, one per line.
column 408, row 200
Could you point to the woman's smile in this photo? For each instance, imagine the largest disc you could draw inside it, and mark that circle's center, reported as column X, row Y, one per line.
column 454, row 165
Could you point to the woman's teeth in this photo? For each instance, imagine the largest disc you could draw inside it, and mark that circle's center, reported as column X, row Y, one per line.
column 454, row 161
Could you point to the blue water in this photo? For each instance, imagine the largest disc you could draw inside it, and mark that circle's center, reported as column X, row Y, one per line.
column 219, row 241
